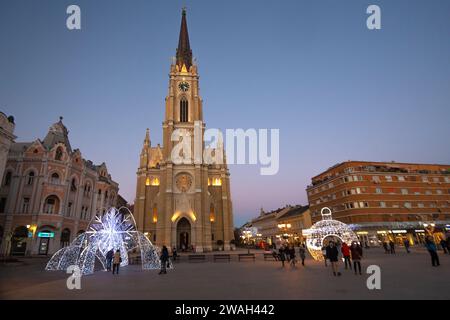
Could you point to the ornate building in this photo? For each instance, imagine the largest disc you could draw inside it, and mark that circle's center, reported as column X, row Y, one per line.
column 49, row 193
column 189, row 204
column 6, row 139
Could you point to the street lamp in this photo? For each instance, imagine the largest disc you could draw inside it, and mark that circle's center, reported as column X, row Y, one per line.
column 247, row 234
column 284, row 227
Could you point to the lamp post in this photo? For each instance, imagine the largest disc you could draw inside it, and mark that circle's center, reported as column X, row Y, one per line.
column 247, row 234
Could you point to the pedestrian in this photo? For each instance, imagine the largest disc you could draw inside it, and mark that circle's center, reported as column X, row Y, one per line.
column 324, row 253
column 275, row 254
column 432, row 249
column 406, row 243
column 444, row 245
column 174, row 253
column 292, row 255
column 116, row 261
column 392, row 247
column 357, row 253
column 302, row 253
column 346, row 254
column 385, row 246
column 282, row 254
column 164, row 259
column 109, row 258
column 332, row 254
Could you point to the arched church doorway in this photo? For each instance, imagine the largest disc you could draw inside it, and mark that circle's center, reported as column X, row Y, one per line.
column 183, row 234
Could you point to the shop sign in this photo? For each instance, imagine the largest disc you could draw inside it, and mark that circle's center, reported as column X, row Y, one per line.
column 46, row 234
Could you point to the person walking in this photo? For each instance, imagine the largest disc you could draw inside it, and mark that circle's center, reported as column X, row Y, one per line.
column 324, row 253
column 392, row 246
column 164, row 259
column 275, row 254
column 357, row 253
column 109, row 258
column 406, row 243
column 346, row 254
column 444, row 245
column 174, row 253
column 302, row 253
column 282, row 254
column 432, row 249
column 292, row 255
column 332, row 254
column 385, row 246
column 116, row 261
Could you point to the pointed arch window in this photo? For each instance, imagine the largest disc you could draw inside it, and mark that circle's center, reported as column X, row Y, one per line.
column 184, row 110
column 59, row 154
column 30, row 178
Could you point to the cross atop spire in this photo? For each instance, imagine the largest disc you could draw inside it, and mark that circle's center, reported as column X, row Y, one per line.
column 184, row 52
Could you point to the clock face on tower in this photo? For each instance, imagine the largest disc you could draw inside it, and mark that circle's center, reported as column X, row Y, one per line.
column 184, row 182
column 183, row 86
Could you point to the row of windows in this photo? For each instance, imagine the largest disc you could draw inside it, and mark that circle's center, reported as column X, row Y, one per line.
column 379, row 179
column 403, row 191
column 384, row 204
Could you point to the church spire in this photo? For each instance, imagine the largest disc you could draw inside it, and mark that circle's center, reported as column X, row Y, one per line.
column 184, row 52
column 147, row 138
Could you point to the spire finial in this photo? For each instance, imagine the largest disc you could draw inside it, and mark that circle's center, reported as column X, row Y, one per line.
column 147, row 138
column 61, row 118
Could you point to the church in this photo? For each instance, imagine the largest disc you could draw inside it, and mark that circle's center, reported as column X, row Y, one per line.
column 185, row 205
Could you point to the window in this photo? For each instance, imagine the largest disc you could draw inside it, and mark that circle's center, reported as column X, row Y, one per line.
column 436, row 179
column 51, row 205
column 8, row 177
column 58, row 154
column 424, row 179
column 388, row 178
column 69, row 209
column 25, row 205
column 447, row 179
column 73, row 185
column 30, row 178
column 376, row 179
column 428, row 192
column 378, row 190
column 2, row 205
column 439, row 191
column 383, row 204
column 408, row 205
column 401, row 178
column 55, row 178
column 404, row 191
column 330, row 185
column 420, row 205
column 184, row 110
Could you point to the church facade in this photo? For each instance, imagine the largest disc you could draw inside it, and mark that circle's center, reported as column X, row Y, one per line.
column 185, row 205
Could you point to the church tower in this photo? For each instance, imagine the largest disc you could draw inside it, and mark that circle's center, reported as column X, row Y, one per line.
column 188, row 204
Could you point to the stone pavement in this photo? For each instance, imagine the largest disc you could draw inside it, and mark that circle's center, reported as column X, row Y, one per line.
column 403, row 276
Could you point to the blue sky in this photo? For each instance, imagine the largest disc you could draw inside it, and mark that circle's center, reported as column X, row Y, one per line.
column 336, row 90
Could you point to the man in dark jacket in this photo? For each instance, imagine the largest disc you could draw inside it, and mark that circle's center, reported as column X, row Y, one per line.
column 164, row 258
column 356, row 251
column 444, row 245
column 109, row 257
column 332, row 255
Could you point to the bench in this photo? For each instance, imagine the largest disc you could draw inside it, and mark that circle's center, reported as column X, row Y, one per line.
column 222, row 257
column 269, row 256
column 197, row 257
column 246, row 256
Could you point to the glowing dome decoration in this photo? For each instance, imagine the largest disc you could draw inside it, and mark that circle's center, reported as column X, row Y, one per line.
column 327, row 227
column 113, row 230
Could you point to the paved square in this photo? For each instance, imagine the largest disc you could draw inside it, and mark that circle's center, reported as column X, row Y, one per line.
column 403, row 276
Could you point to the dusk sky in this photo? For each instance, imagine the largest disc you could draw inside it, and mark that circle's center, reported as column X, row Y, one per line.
column 336, row 90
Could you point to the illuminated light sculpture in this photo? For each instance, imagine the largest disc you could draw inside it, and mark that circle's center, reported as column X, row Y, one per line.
column 113, row 230
column 327, row 227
